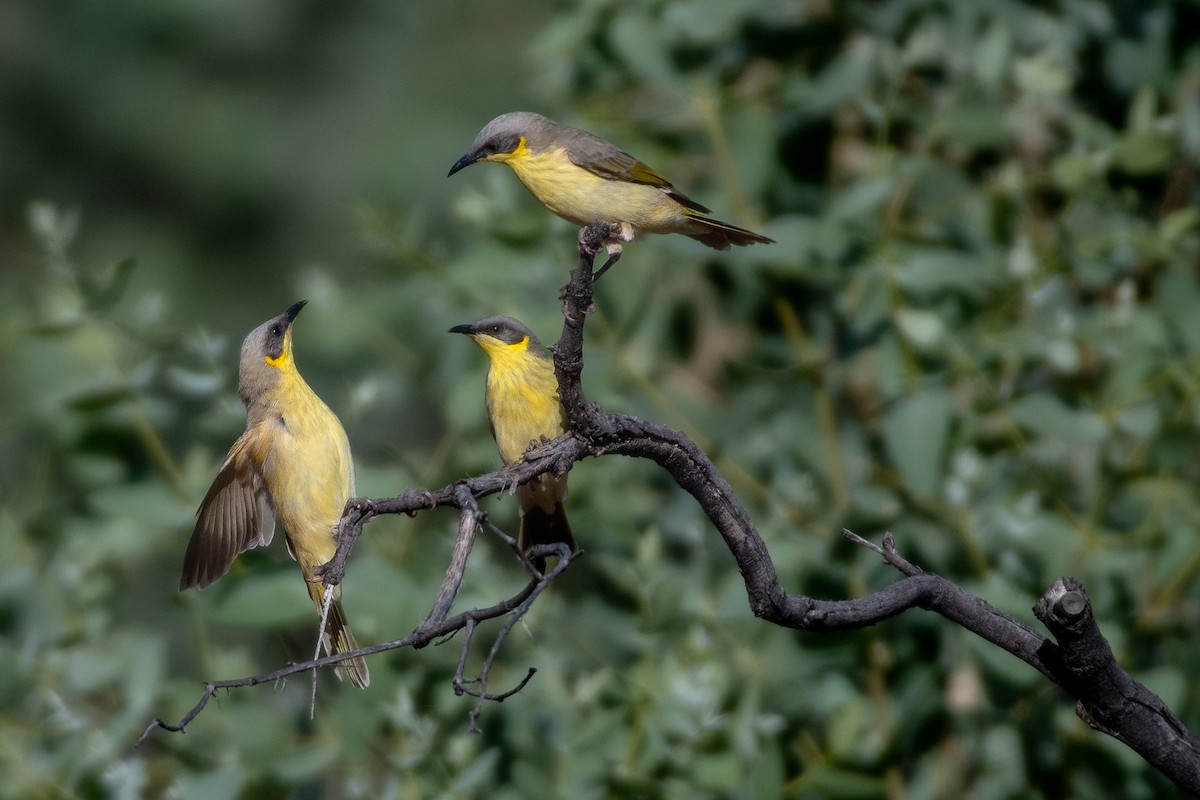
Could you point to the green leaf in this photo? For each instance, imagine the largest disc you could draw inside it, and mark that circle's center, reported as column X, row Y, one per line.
column 305, row 763
column 921, row 329
column 638, row 38
column 194, row 383
column 267, row 601
column 99, row 399
column 1143, row 153
column 1042, row 75
column 1047, row 415
column 915, row 432
column 836, row 783
column 1179, row 223
column 992, row 54
column 1142, row 421
column 975, row 127
column 928, row 271
column 102, row 292
column 223, row 782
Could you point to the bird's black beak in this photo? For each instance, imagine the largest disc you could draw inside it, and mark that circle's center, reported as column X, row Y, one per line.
column 465, row 161
column 468, row 329
column 291, row 313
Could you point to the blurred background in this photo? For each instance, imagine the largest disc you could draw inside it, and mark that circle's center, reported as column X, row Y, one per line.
column 978, row 329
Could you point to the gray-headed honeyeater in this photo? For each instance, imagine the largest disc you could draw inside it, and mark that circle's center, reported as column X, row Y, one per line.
column 523, row 408
column 583, row 179
column 292, row 464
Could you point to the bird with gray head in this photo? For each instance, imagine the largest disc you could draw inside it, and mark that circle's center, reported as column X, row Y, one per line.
column 583, row 179
column 523, row 409
column 291, row 463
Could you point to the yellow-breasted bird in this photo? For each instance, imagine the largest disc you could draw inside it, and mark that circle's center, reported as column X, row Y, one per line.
column 583, row 178
column 522, row 408
column 292, row 463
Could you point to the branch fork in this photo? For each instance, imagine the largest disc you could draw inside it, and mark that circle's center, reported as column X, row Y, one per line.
column 1079, row 659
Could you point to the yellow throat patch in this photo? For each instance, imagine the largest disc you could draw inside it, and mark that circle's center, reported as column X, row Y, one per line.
column 519, row 153
column 503, row 353
column 284, row 359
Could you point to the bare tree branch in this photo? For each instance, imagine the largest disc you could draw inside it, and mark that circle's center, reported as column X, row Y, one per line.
column 461, row 686
column 437, row 625
column 1081, row 662
column 1107, row 697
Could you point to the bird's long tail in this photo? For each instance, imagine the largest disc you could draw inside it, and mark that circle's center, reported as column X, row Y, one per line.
column 720, row 235
column 543, row 519
column 539, row 527
column 339, row 639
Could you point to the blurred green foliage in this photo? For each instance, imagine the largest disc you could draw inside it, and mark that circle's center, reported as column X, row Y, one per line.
column 978, row 330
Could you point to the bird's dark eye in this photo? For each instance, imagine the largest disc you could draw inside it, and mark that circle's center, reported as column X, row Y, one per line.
column 276, row 330
column 508, row 144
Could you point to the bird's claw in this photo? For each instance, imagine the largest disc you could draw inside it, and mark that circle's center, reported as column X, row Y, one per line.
column 427, row 498
column 329, row 573
column 614, row 255
column 594, row 235
column 509, row 482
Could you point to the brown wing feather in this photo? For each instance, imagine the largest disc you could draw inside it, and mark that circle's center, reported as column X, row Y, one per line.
column 608, row 161
column 234, row 516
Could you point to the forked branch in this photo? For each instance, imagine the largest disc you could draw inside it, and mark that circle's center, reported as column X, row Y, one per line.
column 438, row 624
column 1080, row 662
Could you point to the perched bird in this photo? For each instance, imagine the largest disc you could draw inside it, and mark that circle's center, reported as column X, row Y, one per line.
column 583, row 178
column 522, row 408
column 293, row 463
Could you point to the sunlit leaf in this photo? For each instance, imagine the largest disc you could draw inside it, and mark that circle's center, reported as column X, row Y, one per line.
column 1143, row 153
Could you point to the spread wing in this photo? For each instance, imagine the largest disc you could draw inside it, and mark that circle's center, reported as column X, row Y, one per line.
column 604, row 159
column 234, row 516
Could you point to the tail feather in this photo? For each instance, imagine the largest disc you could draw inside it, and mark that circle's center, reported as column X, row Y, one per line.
column 541, row 527
column 720, row 235
column 338, row 639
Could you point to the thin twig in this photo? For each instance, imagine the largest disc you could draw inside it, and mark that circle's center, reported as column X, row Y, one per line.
column 858, row 540
column 460, row 669
column 482, row 695
column 325, row 603
column 417, row 639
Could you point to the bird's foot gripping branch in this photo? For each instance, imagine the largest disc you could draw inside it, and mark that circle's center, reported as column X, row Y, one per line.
column 1079, row 661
